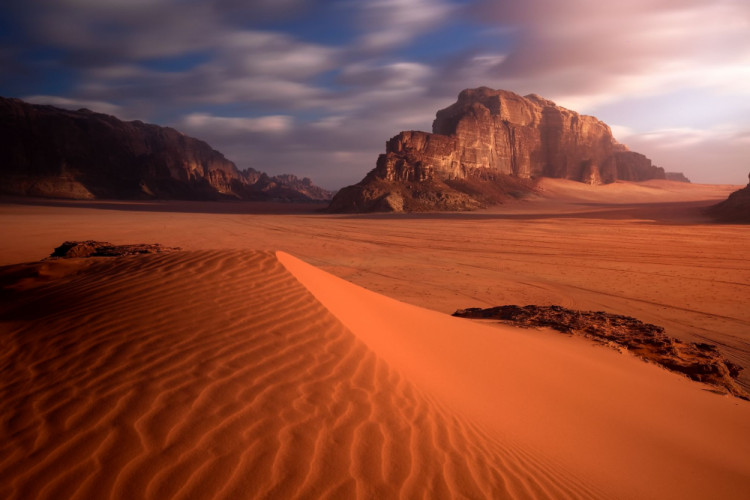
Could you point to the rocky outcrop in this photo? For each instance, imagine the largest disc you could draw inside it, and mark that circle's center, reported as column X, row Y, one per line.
column 286, row 187
column 698, row 361
column 488, row 137
column 735, row 209
column 676, row 176
column 51, row 152
column 91, row 248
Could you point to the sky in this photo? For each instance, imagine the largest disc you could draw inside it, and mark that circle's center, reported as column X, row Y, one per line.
column 316, row 87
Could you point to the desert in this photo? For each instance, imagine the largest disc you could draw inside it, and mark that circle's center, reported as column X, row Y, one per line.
column 301, row 355
column 374, row 250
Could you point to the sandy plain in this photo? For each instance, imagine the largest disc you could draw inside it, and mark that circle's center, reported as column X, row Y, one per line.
column 231, row 371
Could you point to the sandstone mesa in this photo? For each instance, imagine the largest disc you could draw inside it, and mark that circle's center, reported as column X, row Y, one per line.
column 488, row 146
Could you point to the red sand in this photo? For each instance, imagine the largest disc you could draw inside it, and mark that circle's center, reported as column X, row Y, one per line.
column 629, row 428
column 213, row 373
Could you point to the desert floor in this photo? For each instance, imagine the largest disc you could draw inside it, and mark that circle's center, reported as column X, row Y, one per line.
column 224, row 372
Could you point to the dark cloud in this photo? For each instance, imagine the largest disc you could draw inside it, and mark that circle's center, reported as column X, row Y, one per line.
column 242, row 12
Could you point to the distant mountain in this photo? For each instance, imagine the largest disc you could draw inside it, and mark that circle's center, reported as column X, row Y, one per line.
column 51, row 152
column 486, row 147
column 735, row 209
column 676, row 176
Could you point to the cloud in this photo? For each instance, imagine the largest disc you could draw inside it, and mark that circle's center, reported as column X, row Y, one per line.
column 245, row 66
column 257, row 89
column 202, row 123
column 75, row 104
column 390, row 75
column 589, row 53
column 711, row 155
column 242, row 11
column 621, row 132
column 394, row 92
column 137, row 29
column 390, row 23
column 672, row 138
column 272, row 54
column 97, row 32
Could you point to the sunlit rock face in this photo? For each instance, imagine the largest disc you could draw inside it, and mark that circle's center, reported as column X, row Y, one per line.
column 58, row 153
column 495, row 134
column 527, row 137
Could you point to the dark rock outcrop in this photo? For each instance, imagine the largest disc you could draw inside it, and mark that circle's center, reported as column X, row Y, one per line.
column 285, row 187
column 698, row 361
column 735, row 209
column 91, row 248
column 51, row 152
column 676, row 176
column 487, row 138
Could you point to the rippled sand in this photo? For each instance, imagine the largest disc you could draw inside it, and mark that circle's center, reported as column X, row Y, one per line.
column 224, row 371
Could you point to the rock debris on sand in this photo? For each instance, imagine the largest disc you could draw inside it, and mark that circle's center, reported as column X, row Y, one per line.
column 699, row 361
column 90, row 248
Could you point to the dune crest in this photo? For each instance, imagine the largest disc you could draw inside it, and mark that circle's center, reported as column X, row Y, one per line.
column 630, row 429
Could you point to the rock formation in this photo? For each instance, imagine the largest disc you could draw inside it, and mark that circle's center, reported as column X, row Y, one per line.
column 676, row 176
column 701, row 362
column 91, row 248
column 492, row 138
column 53, row 152
column 735, row 209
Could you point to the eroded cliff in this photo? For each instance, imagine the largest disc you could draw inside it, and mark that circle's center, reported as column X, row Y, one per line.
column 735, row 209
column 51, row 152
column 492, row 138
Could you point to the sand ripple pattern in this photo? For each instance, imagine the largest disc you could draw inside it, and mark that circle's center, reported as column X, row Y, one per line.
column 217, row 375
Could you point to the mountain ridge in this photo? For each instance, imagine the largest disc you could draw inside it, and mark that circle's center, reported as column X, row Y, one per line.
column 59, row 153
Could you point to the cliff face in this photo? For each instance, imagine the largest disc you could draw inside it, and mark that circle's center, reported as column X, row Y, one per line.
column 494, row 135
column 46, row 151
column 735, row 209
column 531, row 137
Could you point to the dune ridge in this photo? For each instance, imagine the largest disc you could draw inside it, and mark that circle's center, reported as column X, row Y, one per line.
column 216, row 374
column 628, row 428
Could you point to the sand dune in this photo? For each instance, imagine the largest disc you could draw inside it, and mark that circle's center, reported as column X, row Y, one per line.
column 217, row 375
column 662, row 263
column 214, row 373
column 629, row 428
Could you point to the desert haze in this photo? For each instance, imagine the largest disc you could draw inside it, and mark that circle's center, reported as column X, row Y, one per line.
column 309, row 355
